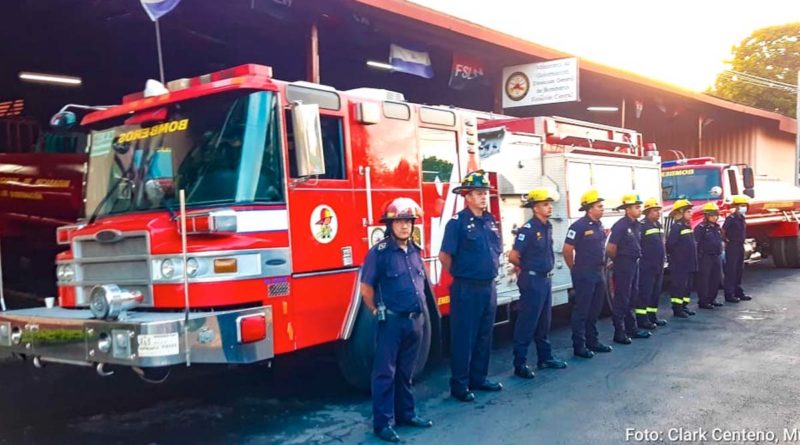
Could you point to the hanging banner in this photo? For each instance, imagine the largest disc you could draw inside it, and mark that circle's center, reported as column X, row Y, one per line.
column 466, row 72
column 550, row 82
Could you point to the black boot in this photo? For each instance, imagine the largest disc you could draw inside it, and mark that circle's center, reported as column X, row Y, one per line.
column 656, row 321
column 687, row 310
column 622, row 338
column 678, row 312
column 643, row 322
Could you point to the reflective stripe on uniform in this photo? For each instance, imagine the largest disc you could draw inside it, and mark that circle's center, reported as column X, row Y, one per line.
column 653, row 231
column 677, row 300
column 652, row 310
column 686, row 232
column 687, row 300
column 640, row 311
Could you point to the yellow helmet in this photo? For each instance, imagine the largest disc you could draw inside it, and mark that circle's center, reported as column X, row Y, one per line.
column 681, row 205
column 591, row 197
column 629, row 199
column 652, row 203
column 539, row 194
column 740, row 200
column 710, row 208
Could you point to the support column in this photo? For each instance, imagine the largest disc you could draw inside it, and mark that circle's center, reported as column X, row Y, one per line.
column 622, row 114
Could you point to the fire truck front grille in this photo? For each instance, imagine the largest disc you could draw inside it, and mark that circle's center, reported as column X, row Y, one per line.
column 124, row 262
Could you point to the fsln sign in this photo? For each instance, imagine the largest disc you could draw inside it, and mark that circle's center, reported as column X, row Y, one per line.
column 541, row 83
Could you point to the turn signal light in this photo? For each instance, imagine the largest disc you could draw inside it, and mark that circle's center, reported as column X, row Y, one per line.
column 225, row 265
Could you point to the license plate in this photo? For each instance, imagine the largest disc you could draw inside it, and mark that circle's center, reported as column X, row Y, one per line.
column 159, row 345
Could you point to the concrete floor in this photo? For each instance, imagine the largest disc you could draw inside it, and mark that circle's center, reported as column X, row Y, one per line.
column 722, row 371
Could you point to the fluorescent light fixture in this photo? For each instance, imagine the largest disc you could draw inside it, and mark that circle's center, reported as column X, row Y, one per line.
column 380, row 65
column 602, row 109
column 50, row 78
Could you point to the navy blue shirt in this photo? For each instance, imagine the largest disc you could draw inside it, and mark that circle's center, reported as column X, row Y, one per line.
column 653, row 254
column 474, row 243
column 397, row 275
column 625, row 233
column 534, row 243
column 708, row 238
column 735, row 228
column 589, row 239
column 681, row 248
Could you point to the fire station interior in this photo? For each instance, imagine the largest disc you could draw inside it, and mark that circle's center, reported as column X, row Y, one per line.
column 111, row 47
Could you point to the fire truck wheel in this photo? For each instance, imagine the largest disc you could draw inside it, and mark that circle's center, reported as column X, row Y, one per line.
column 152, row 375
column 355, row 355
column 786, row 252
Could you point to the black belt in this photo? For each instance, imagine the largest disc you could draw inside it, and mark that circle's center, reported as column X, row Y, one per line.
column 411, row 315
column 540, row 274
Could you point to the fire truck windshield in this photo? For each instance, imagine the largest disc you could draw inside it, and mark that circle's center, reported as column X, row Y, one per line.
column 691, row 183
column 222, row 150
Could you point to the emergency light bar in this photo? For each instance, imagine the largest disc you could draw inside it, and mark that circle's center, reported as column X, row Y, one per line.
column 249, row 69
column 692, row 161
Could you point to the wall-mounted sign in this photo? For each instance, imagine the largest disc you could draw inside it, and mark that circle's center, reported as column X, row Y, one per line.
column 541, row 83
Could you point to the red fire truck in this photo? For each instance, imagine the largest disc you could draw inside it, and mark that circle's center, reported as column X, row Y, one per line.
column 41, row 188
column 284, row 184
column 773, row 217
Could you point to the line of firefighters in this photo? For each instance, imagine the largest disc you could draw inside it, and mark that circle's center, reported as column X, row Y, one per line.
column 393, row 280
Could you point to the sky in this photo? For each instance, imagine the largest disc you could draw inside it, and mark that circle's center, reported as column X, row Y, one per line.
column 683, row 42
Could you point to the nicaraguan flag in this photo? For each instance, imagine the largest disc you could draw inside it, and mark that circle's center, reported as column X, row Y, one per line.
column 158, row 8
column 409, row 61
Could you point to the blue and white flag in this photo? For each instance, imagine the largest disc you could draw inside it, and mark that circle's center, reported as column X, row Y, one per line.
column 409, row 61
column 158, row 8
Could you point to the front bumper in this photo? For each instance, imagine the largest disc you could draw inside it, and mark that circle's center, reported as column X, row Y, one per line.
column 142, row 339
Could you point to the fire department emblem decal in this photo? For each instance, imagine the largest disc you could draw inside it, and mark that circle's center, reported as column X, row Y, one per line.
column 324, row 224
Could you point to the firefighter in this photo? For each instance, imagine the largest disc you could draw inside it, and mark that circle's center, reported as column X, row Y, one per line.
column 682, row 257
column 625, row 250
column 651, row 267
column 470, row 252
column 394, row 268
column 708, row 237
column 733, row 232
column 584, row 253
column 533, row 254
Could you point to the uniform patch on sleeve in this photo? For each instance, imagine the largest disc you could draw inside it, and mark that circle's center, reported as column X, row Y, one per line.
column 521, row 237
column 571, row 234
column 382, row 246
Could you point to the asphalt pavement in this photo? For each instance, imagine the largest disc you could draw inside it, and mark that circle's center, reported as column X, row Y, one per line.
column 723, row 374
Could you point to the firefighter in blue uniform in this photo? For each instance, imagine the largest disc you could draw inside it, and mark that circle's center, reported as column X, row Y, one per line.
column 734, row 231
column 625, row 250
column 470, row 252
column 393, row 288
column 533, row 254
column 584, row 253
column 651, row 267
column 708, row 236
column 682, row 258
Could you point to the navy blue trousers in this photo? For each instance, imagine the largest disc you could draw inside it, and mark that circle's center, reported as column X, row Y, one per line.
column 651, row 279
column 734, row 267
column 680, row 285
column 708, row 278
column 473, row 305
column 626, row 288
column 398, row 341
column 534, row 314
column 590, row 291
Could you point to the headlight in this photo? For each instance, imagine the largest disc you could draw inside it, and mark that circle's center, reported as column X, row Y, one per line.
column 192, row 266
column 167, row 268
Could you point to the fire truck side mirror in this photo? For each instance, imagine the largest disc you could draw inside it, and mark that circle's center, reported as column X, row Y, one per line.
column 63, row 120
column 748, row 178
column 308, row 152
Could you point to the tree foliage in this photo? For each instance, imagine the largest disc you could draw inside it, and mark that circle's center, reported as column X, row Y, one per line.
column 771, row 53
